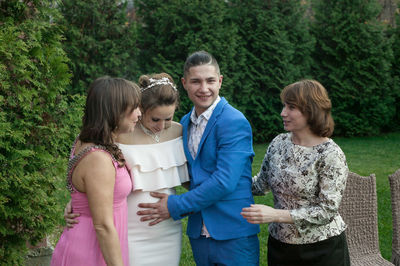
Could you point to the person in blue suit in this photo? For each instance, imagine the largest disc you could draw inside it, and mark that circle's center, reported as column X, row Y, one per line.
column 218, row 145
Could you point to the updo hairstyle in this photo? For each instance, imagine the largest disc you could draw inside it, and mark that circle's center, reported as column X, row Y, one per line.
column 158, row 90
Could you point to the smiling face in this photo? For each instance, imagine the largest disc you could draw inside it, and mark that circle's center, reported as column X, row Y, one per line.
column 158, row 118
column 202, row 84
column 293, row 119
column 128, row 121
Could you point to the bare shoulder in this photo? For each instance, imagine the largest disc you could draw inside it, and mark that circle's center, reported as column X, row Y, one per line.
column 97, row 160
column 97, row 166
column 99, row 155
column 176, row 129
column 173, row 132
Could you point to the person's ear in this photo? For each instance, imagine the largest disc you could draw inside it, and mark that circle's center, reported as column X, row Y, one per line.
column 183, row 82
column 220, row 80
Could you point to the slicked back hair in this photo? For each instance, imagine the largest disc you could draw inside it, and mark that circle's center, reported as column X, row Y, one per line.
column 200, row 58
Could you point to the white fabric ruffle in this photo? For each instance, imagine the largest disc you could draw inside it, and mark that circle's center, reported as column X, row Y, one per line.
column 156, row 166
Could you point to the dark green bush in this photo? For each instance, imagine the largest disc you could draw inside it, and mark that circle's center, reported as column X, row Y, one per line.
column 395, row 33
column 352, row 60
column 277, row 45
column 36, row 124
column 100, row 39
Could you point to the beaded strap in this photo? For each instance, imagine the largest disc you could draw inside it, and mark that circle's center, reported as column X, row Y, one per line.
column 74, row 160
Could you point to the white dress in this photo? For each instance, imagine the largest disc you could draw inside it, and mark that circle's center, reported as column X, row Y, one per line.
column 154, row 167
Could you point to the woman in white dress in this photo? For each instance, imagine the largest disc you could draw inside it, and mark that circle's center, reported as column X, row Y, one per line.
column 155, row 156
column 154, row 153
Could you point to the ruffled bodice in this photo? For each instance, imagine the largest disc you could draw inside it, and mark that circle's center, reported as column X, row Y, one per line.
column 156, row 166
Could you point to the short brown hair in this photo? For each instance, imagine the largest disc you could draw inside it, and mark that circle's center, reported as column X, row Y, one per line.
column 311, row 98
column 157, row 95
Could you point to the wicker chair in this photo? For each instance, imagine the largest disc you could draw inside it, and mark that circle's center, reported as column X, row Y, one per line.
column 359, row 209
column 394, row 181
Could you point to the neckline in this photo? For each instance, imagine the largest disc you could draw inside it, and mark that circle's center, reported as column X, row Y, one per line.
column 303, row 146
column 154, row 136
column 158, row 143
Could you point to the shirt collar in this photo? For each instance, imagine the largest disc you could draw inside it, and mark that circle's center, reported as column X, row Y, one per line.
column 206, row 114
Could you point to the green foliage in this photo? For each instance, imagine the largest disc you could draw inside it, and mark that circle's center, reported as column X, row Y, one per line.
column 261, row 46
column 352, row 60
column 100, row 39
column 171, row 30
column 277, row 45
column 36, row 122
column 395, row 34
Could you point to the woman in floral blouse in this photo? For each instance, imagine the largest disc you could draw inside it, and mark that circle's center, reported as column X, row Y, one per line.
column 306, row 172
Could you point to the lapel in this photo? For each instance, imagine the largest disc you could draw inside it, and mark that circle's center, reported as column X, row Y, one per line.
column 211, row 123
column 185, row 132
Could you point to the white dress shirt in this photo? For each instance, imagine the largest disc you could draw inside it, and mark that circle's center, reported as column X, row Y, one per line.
column 196, row 130
column 197, row 127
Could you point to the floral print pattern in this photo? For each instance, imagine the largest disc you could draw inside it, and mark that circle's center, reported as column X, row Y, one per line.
column 307, row 181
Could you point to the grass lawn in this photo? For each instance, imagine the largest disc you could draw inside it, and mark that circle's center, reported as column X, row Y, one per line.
column 365, row 155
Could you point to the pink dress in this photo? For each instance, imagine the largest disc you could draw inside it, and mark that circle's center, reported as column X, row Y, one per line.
column 79, row 245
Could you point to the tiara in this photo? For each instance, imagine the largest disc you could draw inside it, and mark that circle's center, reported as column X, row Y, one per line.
column 162, row 81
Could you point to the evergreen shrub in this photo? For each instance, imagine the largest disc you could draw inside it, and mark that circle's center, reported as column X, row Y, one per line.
column 277, row 45
column 36, row 124
column 395, row 34
column 100, row 39
column 352, row 60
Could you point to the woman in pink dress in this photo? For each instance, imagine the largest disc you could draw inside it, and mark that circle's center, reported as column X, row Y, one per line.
column 98, row 179
column 156, row 159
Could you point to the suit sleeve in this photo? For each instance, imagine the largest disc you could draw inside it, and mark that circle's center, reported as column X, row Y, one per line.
column 233, row 151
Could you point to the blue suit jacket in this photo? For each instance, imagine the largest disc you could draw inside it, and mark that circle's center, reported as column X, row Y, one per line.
column 220, row 177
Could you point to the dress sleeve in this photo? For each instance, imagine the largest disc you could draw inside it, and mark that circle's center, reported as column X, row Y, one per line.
column 259, row 182
column 332, row 171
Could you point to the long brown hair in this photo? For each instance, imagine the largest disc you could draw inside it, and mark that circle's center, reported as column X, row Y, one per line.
column 107, row 101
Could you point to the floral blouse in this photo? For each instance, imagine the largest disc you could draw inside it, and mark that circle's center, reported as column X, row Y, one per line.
column 307, row 181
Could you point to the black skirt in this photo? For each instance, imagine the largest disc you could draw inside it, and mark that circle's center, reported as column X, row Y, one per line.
column 332, row 251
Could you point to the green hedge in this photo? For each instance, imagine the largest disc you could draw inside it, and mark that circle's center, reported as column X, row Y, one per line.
column 276, row 47
column 261, row 46
column 395, row 34
column 36, row 124
column 353, row 59
column 100, row 39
